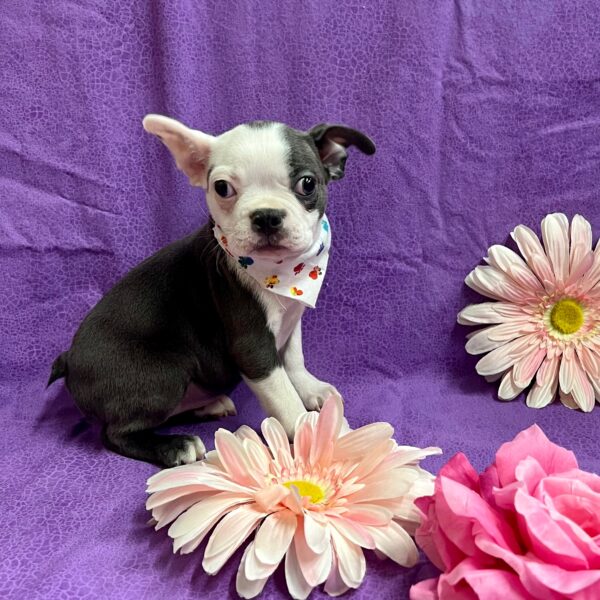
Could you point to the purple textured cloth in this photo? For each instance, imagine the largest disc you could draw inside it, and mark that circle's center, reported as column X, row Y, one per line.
column 485, row 115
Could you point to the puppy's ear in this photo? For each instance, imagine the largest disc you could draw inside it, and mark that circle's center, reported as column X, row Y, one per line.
column 332, row 141
column 190, row 148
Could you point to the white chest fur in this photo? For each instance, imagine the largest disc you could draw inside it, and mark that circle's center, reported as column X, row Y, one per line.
column 282, row 313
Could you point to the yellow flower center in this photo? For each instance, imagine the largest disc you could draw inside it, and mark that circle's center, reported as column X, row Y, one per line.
column 567, row 316
column 315, row 493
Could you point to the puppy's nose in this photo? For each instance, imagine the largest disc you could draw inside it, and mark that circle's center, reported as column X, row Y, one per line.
column 267, row 220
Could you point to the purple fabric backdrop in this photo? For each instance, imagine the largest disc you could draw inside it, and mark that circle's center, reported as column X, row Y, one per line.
column 485, row 116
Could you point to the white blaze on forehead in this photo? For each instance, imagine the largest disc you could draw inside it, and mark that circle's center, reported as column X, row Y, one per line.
column 255, row 155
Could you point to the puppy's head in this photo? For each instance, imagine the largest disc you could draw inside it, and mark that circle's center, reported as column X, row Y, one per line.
column 265, row 182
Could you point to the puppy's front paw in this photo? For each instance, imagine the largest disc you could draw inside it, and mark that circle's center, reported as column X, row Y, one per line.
column 314, row 392
column 183, row 450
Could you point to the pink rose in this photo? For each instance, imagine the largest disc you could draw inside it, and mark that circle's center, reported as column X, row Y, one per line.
column 528, row 527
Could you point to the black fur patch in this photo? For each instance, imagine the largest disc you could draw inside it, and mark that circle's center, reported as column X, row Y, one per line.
column 304, row 160
column 179, row 317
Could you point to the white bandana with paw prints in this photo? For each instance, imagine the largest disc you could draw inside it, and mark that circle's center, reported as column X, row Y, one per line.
column 299, row 278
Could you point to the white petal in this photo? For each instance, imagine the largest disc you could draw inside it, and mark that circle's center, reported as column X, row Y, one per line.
column 590, row 361
column 197, row 521
column 592, row 277
column 354, row 532
column 298, row 587
column 490, row 338
column 531, row 249
column 228, row 536
column 543, row 390
column 247, row 588
column 315, row 533
column 278, row 441
column 555, row 232
column 581, row 246
column 490, row 313
column 394, row 542
column 254, row 569
column 493, row 283
column 274, row 537
column 582, row 392
column 335, row 585
column 526, row 368
column 501, row 359
column 566, row 376
column 315, row 567
column 514, row 266
column 351, row 560
column 508, row 390
column 165, row 513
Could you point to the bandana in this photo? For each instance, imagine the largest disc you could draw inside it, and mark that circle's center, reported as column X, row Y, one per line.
column 299, row 278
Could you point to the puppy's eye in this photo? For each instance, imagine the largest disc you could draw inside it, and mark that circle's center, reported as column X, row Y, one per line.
column 305, row 186
column 224, row 188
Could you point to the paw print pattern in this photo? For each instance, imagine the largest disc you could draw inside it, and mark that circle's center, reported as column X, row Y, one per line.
column 325, row 225
column 245, row 261
column 321, row 248
column 271, row 281
column 296, row 292
column 298, row 269
column 314, row 274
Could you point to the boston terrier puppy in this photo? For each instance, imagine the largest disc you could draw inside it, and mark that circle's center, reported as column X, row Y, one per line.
column 181, row 329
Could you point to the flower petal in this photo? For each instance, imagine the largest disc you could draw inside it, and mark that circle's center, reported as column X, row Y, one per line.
column 268, row 498
column 248, row 588
column 315, row 567
column 395, row 543
column 297, row 585
column 543, row 390
column 490, row 313
column 315, row 533
column 532, row 442
column 351, row 560
column 582, row 391
column 581, row 256
column 233, row 456
column 191, row 527
column 525, row 368
column 229, row 535
column 165, row 513
column 501, row 359
column 274, row 537
column 533, row 252
column 555, row 232
column 357, row 443
column 327, row 430
column 489, row 338
column 509, row 262
column 566, row 375
column 335, row 586
column 493, row 283
column 508, row 389
column 278, row 441
column 425, row 590
column 353, row 531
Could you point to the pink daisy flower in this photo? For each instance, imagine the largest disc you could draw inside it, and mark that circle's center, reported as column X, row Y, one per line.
column 545, row 324
column 315, row 505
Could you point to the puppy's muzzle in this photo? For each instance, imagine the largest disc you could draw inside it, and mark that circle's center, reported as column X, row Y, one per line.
column 267, row 221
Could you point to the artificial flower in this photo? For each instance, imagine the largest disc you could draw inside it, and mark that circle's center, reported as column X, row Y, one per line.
column 544, row 326
column 314, row 505
column 528, row 527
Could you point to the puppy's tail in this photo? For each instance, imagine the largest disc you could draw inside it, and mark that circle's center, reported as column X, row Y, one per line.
column 59, row 368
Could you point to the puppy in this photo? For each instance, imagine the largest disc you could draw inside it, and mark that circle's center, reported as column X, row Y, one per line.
column 181, row 329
